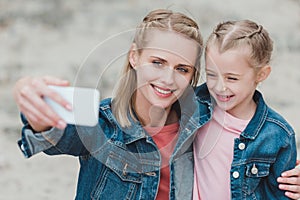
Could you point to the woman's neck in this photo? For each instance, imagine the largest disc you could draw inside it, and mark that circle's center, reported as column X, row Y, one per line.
column 156, row 116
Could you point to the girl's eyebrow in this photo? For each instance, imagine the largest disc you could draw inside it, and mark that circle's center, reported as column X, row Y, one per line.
column 227, row 74
column 209, row 70
column 232, row 74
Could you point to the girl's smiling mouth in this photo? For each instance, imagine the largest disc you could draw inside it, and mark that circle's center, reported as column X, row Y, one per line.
column 224, row 98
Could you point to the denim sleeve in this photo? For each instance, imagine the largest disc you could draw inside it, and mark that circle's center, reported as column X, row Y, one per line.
column 32, row 143
column 286, row 160
column 52, row 142
column 73, row 140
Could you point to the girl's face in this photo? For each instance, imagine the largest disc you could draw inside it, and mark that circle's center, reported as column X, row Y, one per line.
column 231, row 81
column 164, row 68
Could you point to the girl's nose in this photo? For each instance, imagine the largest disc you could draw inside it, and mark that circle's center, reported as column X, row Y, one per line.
column 220, row 85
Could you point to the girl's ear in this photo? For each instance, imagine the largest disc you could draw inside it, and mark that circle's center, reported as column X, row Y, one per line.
column 133, row 56
column 263, row 73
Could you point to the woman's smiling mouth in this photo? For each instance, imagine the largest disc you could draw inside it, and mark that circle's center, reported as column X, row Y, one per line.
column 162, row 92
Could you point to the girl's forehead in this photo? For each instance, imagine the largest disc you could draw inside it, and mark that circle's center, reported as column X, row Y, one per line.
column 233, row 59
column 172, row 42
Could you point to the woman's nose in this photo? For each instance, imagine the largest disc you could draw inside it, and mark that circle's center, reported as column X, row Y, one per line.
column 168, row 76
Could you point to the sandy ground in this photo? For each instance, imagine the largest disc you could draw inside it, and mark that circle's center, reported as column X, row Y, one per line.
column 85, row 42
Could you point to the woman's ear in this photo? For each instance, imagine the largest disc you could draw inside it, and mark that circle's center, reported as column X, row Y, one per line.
column 133, row 56
column 263, row 73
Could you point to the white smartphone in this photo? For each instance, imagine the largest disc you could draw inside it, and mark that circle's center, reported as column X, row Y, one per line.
column 84, row 101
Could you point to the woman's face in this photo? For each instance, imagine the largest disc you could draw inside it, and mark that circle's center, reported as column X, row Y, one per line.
column 164, row 68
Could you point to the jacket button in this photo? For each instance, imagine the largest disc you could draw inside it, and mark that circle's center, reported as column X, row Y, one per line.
column 242, row 146
column 254, row 170
column 22, row 147
column 150, row 173
column 235, row 174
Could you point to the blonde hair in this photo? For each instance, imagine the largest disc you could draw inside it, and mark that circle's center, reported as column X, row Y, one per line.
column 244, row 33
column 162, row 19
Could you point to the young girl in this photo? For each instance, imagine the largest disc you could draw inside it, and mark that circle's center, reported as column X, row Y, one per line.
column 142, row 146
column 244, row 148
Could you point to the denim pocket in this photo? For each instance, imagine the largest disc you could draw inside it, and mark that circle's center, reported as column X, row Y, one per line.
column 119, row 179
column 255, row 171
column 127, row 169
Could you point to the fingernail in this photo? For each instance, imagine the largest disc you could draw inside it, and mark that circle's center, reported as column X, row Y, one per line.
column 69, row 107
column 280, row 186
column 61, row 124
column 279, row 179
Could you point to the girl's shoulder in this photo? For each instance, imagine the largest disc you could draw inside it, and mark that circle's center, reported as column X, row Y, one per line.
column 278, row 120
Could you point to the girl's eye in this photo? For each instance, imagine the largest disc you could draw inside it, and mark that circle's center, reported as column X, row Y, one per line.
column 232, row 78
column 210, row 75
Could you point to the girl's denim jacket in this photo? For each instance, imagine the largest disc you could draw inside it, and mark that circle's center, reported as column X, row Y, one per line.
column 265, row 149
column 124, row 163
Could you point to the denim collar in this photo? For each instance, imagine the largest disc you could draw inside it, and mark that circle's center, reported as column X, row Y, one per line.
column 132, row 133
column 257, row 121
column 194, row 112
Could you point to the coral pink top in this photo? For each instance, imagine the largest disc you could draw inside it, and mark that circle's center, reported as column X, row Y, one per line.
column 165, row 139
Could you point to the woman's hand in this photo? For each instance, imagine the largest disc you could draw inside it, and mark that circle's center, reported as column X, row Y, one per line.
column 290, row 181
column 28, row 94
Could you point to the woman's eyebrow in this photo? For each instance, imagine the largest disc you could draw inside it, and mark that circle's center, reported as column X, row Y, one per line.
column 165, row 61
column 161, row 59
column 185, row 65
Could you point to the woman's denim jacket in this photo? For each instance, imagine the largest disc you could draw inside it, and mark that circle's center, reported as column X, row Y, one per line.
column 124, row 164
column 118, row 163
column 263, row 151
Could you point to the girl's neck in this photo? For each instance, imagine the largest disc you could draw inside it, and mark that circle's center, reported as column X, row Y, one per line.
column 245, row 112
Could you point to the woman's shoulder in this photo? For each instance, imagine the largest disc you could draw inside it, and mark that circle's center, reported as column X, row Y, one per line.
column 105, row 112
column 105, row 103
column 201, row 91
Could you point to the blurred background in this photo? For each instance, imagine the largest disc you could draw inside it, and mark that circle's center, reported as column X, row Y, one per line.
column 86, row 42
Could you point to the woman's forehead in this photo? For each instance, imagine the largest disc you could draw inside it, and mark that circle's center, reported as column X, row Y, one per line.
column 172, row 42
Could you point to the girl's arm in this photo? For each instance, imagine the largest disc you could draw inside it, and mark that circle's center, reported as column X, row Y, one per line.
column 290, row 181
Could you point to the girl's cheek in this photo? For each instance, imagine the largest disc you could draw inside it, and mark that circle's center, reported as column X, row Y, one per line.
column 210, row 83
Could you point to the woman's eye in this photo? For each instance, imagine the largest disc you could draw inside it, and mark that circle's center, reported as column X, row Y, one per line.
column 182, row 69
column 156, row 62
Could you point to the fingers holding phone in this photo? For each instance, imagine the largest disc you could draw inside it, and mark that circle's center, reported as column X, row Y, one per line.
column 29, row 95
column 84, row 103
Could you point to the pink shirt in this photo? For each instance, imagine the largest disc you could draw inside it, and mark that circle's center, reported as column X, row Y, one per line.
column 213, row 154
